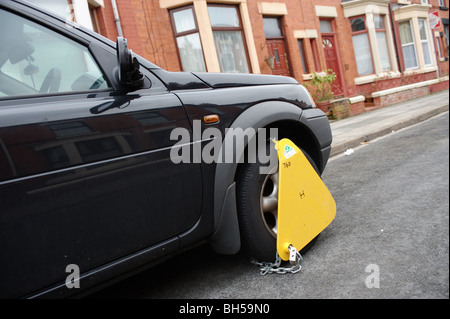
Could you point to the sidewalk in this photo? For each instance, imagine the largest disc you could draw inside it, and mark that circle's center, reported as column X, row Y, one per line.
column 352, row 131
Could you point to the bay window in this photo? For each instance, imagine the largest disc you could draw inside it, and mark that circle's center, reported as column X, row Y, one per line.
column 415, row 37
column 415, row 43
column 373, row 40
column 372, row 44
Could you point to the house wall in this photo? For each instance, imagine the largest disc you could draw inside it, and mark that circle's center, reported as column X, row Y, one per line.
column 147, row 26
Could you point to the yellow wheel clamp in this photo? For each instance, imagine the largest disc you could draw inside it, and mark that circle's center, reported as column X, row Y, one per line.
column 305, row 206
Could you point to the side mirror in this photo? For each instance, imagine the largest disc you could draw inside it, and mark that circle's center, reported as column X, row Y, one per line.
column 129, row 75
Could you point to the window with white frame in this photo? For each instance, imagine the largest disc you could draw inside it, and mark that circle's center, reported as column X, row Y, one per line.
column 408, row 44
column 383, row 49
column 361, row 46
column 442, row 3
column 424, row 1
column 425, row 42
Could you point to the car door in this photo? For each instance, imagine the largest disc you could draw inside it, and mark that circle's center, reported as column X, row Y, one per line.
column 85, row 171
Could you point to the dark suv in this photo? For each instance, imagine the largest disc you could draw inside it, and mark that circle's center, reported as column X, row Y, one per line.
column 102, row 157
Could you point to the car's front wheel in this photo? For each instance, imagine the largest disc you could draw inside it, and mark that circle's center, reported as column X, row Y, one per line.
column 257, row 204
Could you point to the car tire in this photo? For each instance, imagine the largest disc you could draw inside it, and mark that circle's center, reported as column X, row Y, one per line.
column 257, row 201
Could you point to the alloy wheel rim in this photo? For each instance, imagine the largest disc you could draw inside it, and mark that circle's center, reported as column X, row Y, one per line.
column 269, row 203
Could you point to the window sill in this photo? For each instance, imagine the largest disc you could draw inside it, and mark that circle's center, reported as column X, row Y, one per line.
column 420, row 71
column 357, row 99
column 408, row 87
column 374, row 77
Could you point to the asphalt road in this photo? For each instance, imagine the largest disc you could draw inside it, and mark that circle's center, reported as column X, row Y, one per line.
column 391, row 233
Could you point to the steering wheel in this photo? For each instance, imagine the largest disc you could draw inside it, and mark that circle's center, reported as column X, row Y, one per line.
column 51, row 82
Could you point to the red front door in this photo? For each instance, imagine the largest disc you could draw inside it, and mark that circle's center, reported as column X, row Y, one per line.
column 277, row 49
column 329, row 48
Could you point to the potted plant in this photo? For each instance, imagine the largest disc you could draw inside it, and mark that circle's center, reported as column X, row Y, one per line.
column 320, row 88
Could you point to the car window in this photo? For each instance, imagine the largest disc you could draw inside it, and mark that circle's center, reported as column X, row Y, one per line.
column 36, row 60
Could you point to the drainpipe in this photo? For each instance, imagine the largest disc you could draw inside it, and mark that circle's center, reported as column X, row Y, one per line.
column 116, row 17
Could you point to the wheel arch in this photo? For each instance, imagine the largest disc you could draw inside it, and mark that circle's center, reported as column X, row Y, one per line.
column 271, row 114
column 300, row 135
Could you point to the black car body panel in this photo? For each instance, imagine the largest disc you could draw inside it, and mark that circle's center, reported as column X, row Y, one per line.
column 224, row 80
column 179, row 80
column 86, row 177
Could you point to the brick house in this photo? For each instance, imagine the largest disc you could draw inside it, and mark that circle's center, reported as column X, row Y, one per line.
column 382, row 51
